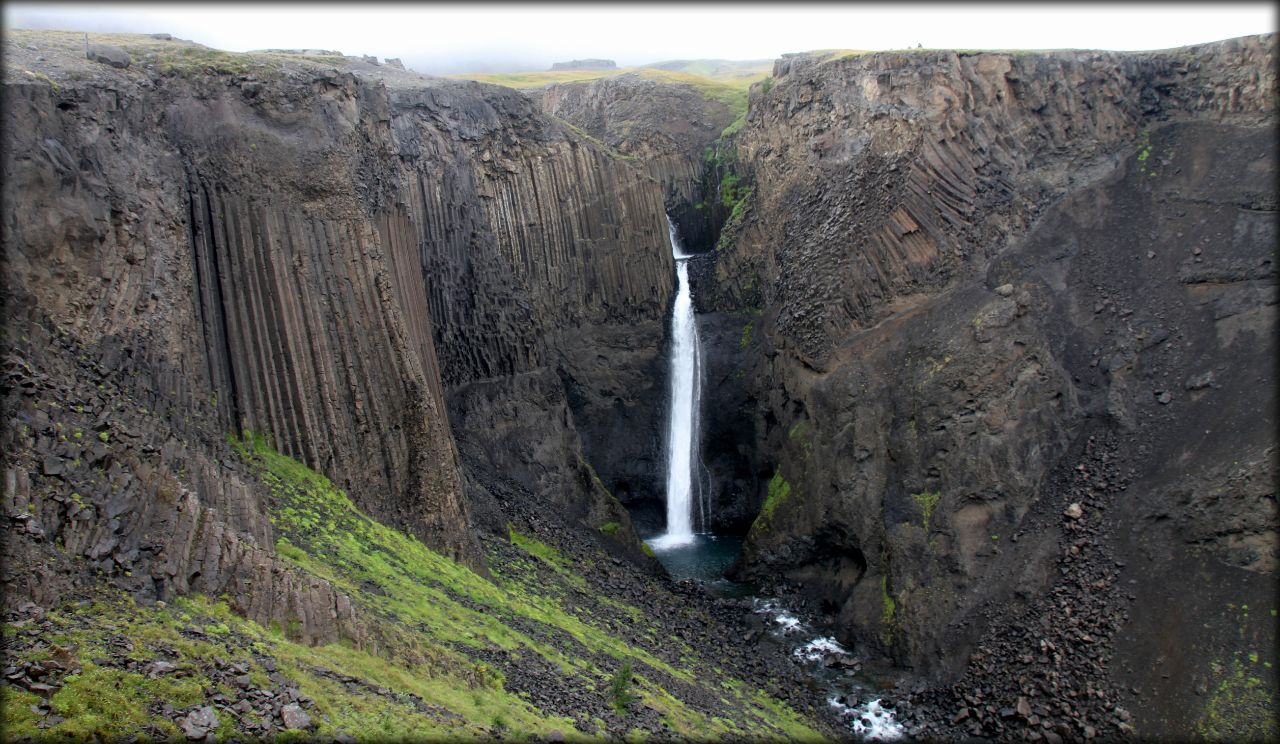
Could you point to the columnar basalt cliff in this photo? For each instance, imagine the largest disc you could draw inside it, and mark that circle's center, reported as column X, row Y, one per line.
column 375, row 359
column 281, row 248
column 544, row 252
column 666, row 124
column 288, row 357
column 977, row 292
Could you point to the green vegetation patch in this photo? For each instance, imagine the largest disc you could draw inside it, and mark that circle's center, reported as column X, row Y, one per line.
column 537, row 548
column 779, row 492
column 1240, row 707
column 103, row 698
column 730, row 91
column 735, row 126
column 801, row 435
column 926, row 500
column 431, row 610
column 620, row 694
column 888, row 608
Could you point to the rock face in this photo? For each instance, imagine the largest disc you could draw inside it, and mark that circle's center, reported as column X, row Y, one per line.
column 955, row 272
column 666, row 125
column 324, row 259
column 585, row 64
column 562, row 294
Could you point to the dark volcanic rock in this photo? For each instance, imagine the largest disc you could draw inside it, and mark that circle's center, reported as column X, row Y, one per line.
column 666, row 125
column 950, row 311
column 306, row 254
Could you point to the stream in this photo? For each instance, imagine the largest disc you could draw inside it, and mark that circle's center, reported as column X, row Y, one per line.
column 704, row 557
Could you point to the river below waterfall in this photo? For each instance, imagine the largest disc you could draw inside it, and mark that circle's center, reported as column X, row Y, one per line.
column 834, row 668
column 700, row 556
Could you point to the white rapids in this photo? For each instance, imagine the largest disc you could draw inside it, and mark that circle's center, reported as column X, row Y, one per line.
column 868, row 721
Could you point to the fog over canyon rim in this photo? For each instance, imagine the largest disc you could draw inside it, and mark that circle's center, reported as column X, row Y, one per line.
column 919, row 394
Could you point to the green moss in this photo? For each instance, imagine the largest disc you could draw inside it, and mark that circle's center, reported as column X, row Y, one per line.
column 926, row 500
column 1240, row 708
column 289, row 550
column 888, row 608
column 99, row 702
column 779, row 492
column 648, row 550
column 801, row 435
column 1144, row 154
column 745, row 341
column 45, row 79
column 729, row 190
column 610, row 528
column 735, row 126
column 1144, row 148
column 537, row 548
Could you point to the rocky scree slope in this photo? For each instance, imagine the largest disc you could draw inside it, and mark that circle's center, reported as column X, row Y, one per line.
column 999, row 377
column 228, row 274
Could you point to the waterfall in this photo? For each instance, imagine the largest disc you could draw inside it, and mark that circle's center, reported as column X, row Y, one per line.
column 684, row 482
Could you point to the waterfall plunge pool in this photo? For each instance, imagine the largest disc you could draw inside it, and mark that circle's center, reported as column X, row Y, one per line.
column 703, row 557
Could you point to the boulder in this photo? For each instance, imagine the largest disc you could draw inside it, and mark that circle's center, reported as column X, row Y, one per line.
column 294, row 717
column 199, row 723
column 108, row 54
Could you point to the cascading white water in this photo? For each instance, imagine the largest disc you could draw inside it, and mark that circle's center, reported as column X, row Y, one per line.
column 683, row 481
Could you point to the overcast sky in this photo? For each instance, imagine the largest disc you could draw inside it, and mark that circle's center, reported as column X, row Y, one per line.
column 443, row 38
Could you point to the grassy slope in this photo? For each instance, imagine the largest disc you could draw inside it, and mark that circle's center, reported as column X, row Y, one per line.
column 726, row 71
column 739, row 79
column 434, row 619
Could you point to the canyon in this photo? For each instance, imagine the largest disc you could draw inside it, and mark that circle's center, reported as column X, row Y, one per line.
column 347, row 389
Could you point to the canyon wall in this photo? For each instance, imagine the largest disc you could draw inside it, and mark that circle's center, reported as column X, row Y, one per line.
column 330, row 257
column 665, row 123
column 971, row 292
